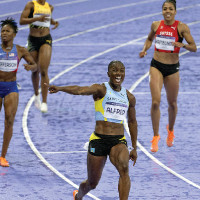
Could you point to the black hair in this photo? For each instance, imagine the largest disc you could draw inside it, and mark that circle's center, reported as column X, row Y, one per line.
column 11, row 22
column 115, row 62
column 170, row 1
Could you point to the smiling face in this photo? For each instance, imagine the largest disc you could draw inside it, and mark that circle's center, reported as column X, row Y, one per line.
column 116, row 73
column 7, row 34
column 169, row 12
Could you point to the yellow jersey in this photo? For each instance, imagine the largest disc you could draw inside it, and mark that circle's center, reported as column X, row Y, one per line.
column 41, row 10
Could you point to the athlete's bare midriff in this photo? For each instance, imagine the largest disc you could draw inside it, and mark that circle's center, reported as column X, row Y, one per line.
column 109, row 128
column 166, row 58
column 39, row 32
column 7, row 76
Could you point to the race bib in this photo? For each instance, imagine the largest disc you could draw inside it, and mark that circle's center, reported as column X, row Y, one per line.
column 164, row 42
column 8, row 65
column 115, row 110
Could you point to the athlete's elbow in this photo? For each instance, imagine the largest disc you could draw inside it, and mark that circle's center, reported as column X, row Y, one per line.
column 21, row 22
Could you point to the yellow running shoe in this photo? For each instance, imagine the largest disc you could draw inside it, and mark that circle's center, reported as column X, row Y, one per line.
column 170, row 137
column 4, row 162
column 154, row 146
column 74, row 194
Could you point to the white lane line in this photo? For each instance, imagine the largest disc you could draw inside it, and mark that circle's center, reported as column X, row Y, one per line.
column 55, row 5
column 95, row 56
column 105, row 10
column 112, row 24
column 38, row 154
column 193, row 23
column 68, row 3
column 7, row 1
column 92, row 44
column 62, row 152
column 145, row 151
column 27, row 109
column 184, row 93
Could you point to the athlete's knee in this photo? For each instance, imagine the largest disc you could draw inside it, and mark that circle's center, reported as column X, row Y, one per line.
column 123, row 168
column 173, row 105
column 93, row 184
column 155, row 104
column 9, row 120
column 44, row 73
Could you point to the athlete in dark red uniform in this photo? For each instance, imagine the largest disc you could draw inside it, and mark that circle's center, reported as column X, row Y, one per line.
column 168, row 34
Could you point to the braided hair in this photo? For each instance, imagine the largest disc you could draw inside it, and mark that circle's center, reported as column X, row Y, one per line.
column 11, row 22
column 170, row 1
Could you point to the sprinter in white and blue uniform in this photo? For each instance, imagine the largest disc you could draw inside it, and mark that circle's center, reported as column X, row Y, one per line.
column 113, row 104
column 10, row 55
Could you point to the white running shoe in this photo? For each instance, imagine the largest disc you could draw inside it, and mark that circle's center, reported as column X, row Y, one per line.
column 44, row 107
column 37, row 101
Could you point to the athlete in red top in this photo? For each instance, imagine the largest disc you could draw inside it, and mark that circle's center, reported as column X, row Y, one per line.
column 164, row 69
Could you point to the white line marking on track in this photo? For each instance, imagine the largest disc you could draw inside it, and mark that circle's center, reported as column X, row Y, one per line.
column 93, row 44
column 144, row 150
column 111, row 24
column 70, row 2
column 38, row 154
column 65, row 152
column 26, row 112
column 29, row 141
column 7, row 1
column 55, row 5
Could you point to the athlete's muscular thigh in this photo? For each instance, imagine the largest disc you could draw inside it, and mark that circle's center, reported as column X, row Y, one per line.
column 119, row 157
column 44, row 56
column 10, row 105
column 156, row 83
column 171, row 84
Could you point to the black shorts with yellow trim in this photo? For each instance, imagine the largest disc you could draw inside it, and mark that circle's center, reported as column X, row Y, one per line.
column 165, row 69
column 34, row 43
column 100, row 145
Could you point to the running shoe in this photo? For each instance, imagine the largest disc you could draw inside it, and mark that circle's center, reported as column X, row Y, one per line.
column 74, row 194
column 4, row 162
column 170, row 137
column 37, row 101
column 44, row 107
column 154, row 146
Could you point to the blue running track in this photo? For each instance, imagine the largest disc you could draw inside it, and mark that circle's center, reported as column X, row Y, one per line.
column 46, row 154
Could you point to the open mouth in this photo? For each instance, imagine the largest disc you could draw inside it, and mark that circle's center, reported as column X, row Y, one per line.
column 118, row 79
column 168, row 15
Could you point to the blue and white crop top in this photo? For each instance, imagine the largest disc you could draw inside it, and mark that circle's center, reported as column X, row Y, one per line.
column 9, row 61
column 113, row 106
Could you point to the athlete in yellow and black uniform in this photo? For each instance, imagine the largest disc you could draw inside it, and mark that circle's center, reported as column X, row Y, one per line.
column 113, row 104
column 38, row 14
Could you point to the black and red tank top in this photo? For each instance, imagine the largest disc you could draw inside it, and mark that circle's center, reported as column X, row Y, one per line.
column 165, row 35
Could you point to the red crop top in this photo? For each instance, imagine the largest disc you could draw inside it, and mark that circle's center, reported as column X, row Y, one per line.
column 165, row 35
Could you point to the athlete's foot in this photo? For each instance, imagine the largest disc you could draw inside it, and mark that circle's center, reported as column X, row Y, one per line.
column 37, row 101
column 75, row 193
column 154, row 146
column 170, row 137
column 4, row 162
column 44, row 107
